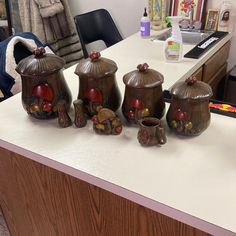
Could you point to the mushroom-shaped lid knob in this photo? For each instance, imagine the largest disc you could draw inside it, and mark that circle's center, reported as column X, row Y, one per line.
column 96, row 66
column 40, row 63
column 143, row 77
column 191, row 88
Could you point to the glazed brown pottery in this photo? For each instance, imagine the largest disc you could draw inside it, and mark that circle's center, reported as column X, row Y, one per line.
column 64, row 120
column 189, row 112
column 106, row 122
column 80, row 117
column 97, row 83
column 43, row 84
column 143, row 94
column 151, row 132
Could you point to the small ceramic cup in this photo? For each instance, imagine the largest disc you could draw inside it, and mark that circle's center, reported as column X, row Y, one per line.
column 151, row 132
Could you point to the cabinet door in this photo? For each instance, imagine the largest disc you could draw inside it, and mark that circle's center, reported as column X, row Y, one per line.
column 212, row 66
column 217, row 83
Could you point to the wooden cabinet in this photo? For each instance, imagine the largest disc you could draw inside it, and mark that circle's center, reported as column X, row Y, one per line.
column 38, row 200
column 212, row 66
column 198, row 73
column 214, row 71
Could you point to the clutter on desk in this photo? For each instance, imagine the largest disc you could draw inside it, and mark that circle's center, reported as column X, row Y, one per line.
column 106, row 122
column 189, row 112
column 97, row 83
column 151, row 132
column 43, row 84
column 143, row 94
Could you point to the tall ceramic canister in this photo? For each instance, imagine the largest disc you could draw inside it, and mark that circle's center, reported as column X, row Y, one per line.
column 143, row 94
column 189, row 112
column 97, row 83
column 43, row 84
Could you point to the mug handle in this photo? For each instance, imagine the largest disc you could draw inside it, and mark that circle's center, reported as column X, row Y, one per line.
column 161, row 135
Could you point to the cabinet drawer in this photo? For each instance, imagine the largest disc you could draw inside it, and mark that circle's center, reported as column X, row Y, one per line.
column 217, row 82
column 198, row 74
column 213, row 65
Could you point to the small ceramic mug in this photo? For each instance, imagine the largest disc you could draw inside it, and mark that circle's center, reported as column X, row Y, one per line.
column 151, row 132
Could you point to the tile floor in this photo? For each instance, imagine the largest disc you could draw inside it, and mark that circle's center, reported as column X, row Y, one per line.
column 3, row 227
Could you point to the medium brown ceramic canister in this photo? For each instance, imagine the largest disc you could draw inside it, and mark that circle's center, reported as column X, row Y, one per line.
column 43, row 84
column 97, row 83
column 143, row 94
column 189, row 112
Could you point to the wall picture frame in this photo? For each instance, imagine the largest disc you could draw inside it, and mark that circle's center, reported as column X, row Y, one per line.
column 3, row 12
column 181, row 8
column 212, row 19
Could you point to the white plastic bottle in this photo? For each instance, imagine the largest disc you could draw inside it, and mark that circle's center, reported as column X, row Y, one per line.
column 224, row 19
column 173, row 46
column 145, row 25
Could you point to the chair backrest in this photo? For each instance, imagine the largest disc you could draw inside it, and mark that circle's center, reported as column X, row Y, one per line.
column 96, row 25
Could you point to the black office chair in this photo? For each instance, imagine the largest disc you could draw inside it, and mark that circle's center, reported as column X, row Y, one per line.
column 96, row 25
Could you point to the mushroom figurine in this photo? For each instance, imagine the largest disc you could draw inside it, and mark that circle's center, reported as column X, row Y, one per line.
column 106, row 122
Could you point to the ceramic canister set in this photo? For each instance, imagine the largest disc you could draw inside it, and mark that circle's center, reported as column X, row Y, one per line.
column 46, row 95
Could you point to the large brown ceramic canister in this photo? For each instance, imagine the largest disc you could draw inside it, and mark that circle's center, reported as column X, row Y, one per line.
column 97, row 83
column 143, row 94
column 43, row 84
column 189, row 112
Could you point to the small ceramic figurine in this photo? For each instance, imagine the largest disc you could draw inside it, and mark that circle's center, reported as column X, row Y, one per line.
column 106, row 122
column 63, row 118
column 80, row 117
column 151, row 132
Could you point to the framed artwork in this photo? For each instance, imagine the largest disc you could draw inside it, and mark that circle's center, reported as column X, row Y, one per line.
column 3, row 12
column 182, row 8
column 5, row 20
column 212, row 19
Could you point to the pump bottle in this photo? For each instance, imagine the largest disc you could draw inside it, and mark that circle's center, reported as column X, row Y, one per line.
column 145, row 24
column 173, row 46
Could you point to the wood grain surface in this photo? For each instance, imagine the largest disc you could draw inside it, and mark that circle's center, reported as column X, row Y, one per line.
column 40, row 201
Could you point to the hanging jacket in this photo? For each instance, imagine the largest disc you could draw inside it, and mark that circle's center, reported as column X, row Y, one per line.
column 12, row 50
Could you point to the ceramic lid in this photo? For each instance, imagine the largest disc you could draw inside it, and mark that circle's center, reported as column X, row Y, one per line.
column 96, row 66
column 143, row 77
column 191, row 88
column 40, row 63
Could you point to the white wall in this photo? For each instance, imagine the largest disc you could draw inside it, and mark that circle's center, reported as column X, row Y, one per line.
column 216, row 5
column 127, row 14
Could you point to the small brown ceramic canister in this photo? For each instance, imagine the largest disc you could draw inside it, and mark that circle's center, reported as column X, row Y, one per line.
column 143, row 94
column 97, row 83
column 189, row 112
column 43, row 84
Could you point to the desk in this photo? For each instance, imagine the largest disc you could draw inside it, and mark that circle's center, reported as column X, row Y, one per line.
column 73, row 182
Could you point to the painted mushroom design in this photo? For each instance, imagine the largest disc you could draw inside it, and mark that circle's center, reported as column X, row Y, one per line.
column 44, row 94
column 93, row 98
column 138, row 110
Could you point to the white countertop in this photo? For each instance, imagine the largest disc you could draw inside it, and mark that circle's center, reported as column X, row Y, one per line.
column 190, row 179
